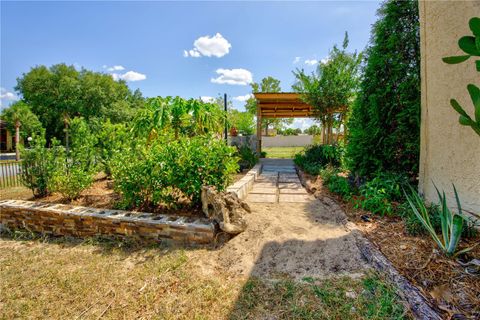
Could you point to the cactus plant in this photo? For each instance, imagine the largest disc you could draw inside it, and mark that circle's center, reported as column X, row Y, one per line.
column 471, row 46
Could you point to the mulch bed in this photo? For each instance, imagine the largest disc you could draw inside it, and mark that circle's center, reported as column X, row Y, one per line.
column 444, row 281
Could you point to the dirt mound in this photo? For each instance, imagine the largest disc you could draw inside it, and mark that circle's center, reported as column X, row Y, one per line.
column 295, row 239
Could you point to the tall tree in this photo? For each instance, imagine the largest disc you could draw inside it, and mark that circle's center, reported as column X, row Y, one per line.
column 385, row 121
column 268, row 84
column 332, row 88
column 61, row 92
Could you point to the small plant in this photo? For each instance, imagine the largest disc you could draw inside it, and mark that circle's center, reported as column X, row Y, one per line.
column 38, row 166
column 451, row 223
column 340, row 185
column 316, row 157
column 75, row 168
column 112, row 139
column 471, row 46
column 380, row 194
column 248, row 158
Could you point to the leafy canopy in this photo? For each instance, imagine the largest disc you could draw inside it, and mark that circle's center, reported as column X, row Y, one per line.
column 20, row 112
column 332, row 88
column 61, row 92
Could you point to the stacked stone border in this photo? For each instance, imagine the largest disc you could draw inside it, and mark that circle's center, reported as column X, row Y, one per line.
column 243, row 186
column 67, row 220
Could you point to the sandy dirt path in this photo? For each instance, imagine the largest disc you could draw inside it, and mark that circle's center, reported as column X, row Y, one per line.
column 300, row 240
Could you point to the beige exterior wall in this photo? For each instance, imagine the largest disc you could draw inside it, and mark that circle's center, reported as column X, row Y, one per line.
column 450, row 153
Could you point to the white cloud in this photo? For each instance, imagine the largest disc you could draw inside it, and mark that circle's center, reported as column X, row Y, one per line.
column 216, row 46
column 116, row 68
column 7, row 96
column 207, row 99
column 325, row 60
column 311, row 62
column 129, row 76
column 233, row 76
column 243, row 98
column 113, row 68
column 302, row 123
column 296, row 60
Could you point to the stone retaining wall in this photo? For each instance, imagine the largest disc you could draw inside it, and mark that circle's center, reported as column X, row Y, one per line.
column 243, row 186
column 66, row 220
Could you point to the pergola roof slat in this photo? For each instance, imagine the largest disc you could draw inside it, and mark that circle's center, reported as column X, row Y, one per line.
column 282, row 105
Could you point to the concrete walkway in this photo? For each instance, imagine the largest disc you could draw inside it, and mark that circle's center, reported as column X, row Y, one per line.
column 278, row 183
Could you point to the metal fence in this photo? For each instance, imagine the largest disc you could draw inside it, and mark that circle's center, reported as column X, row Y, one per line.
column 10, row 174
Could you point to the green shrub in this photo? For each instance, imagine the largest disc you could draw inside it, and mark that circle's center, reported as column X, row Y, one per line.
column 111, row 139
column 248, row 158
column 316, row 157
column 340, row 185
column 380, row 194
column 38, row 165
column 74, row 169
column 169, row 171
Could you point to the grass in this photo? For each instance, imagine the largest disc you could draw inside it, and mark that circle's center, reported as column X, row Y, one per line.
column 63, row 278
column 19, row 193
column 282, row 152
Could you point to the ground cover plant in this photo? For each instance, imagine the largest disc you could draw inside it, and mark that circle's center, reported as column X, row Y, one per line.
column 316, row 157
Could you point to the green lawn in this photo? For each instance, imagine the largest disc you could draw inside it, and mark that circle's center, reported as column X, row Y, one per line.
column 282, row 152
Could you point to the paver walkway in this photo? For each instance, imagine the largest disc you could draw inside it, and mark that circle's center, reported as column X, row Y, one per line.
column 278, row 183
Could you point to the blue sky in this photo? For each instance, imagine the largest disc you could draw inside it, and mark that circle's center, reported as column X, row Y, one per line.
column 227, row 44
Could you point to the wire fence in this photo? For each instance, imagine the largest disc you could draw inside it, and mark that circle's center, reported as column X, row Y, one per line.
column 10, row 174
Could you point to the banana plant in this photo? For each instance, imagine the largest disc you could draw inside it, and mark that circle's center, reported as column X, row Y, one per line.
column 451, row 222
column 471, row 46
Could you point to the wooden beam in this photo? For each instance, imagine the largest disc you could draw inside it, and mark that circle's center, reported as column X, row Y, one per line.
column 259, row 130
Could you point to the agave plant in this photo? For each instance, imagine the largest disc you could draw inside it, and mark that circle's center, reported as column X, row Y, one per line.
column 471, row 46
column 451, row 222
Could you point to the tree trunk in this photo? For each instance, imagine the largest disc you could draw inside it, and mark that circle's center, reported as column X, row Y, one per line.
column 17, row 140
column 65, row 122
column 266, row 128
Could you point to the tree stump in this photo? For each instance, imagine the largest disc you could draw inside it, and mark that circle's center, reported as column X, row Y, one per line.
column 225, row 208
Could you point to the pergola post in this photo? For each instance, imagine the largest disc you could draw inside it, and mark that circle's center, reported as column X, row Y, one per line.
column 259, row 130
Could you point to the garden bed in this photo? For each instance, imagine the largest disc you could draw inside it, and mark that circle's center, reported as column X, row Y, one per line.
column 444, row 281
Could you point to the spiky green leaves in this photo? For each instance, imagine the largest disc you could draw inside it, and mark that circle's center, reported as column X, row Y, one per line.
column 451, row 222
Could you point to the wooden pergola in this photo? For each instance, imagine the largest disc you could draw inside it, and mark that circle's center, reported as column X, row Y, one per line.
column 279, row 105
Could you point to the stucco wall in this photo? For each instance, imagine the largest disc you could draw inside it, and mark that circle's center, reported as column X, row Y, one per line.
column 450, row 153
